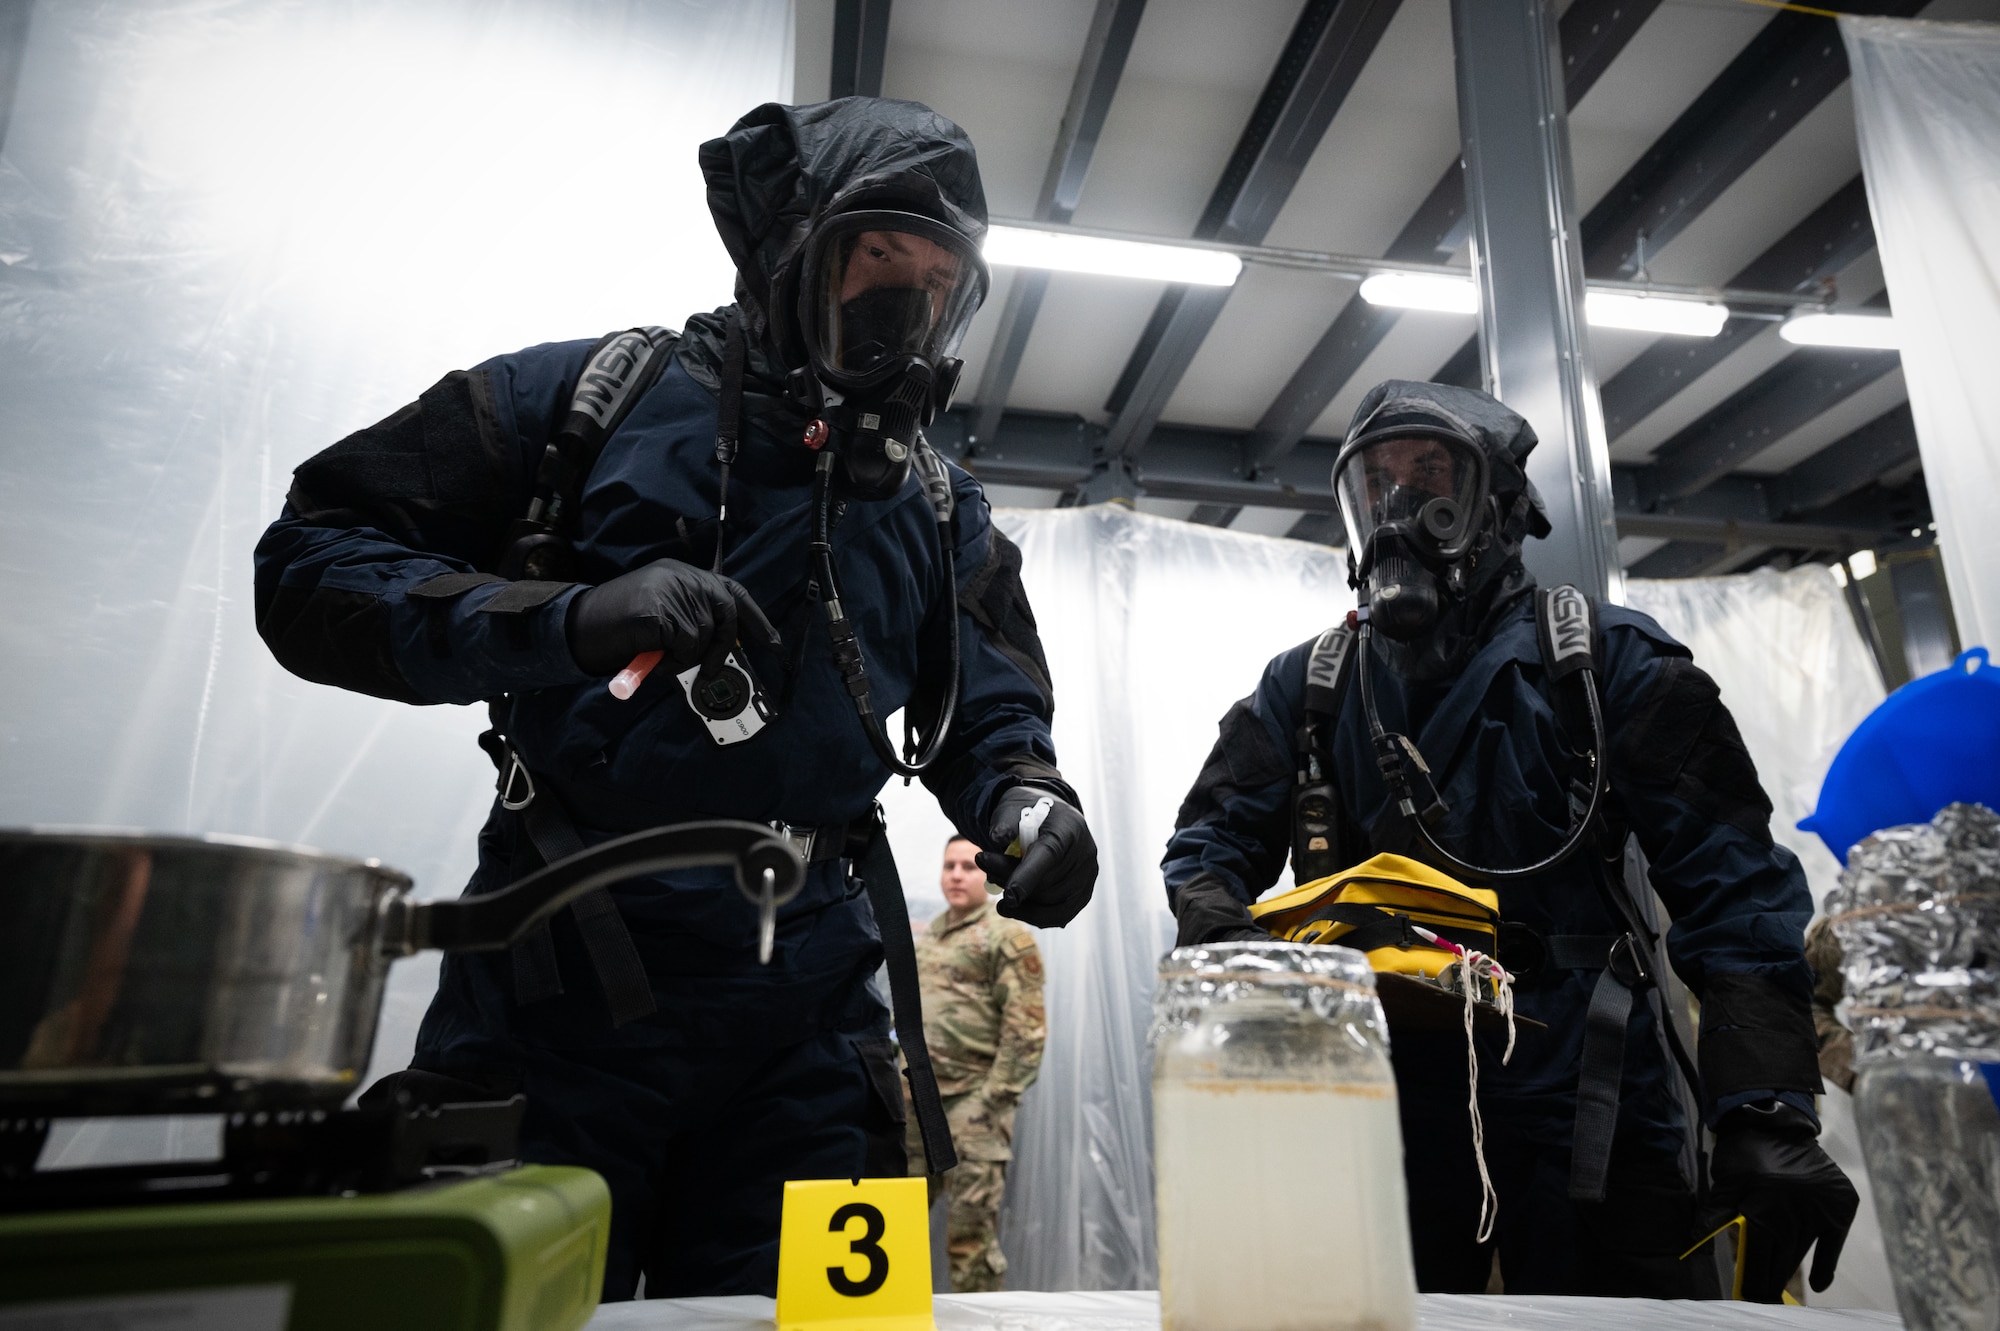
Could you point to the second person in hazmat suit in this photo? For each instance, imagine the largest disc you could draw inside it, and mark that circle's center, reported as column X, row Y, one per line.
column 764, row 511
column 1431, row 485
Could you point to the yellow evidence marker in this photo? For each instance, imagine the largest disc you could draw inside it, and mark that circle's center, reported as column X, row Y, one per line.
column 855, row 1253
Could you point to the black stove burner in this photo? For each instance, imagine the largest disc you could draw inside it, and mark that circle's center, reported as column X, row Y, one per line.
column 279, row 1153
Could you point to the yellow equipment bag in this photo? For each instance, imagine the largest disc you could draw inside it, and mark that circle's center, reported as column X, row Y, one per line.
column 1372, row 906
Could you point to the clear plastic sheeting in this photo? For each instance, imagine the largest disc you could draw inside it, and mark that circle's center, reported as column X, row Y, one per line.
column 1152, row 628
column 1927, row 113
column 1794, row 672
column 1793, row 669
column 1139, row 1310
column 230, row 234
column 1918, row 918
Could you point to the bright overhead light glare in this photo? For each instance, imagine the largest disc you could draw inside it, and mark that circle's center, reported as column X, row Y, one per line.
column 1861, row 564
column 1605, row 309
column 1839, row 572
column 1872, row 332
column 1422, row 291
column 1021, row 247
column 1654, row 314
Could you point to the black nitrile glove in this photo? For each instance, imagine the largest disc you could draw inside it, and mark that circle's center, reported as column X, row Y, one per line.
column 692, row 615
column 1769, row 1168
column 1048, row 883
column 1208, row 912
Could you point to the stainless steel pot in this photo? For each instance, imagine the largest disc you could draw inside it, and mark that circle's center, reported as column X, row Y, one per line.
column 142, row 972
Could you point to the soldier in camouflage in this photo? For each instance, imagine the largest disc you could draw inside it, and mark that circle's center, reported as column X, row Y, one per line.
column 982, row 986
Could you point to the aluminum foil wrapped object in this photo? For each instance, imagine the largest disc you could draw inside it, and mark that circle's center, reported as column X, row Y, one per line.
column 1917, row 913
column 1335, row 983
column 1918, row 917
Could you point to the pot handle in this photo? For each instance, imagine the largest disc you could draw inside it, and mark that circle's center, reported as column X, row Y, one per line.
column 495, row 920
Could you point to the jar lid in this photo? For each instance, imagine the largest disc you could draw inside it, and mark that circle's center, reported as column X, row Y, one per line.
column 1247, row 961
column 1333, row 982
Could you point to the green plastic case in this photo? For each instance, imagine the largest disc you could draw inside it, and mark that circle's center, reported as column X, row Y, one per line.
column 510, row 1252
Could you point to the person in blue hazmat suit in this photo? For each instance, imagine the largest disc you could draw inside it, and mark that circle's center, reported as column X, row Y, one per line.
column 1445, row 653
column 765, row 516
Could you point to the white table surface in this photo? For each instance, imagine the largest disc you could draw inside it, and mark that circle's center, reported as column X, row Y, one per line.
column 1139, row 1310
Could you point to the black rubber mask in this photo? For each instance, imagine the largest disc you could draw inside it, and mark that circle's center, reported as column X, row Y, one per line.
column 885, row 300
column 1414, row 502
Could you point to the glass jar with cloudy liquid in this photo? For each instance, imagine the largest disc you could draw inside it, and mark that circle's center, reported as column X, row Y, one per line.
column 1277, row 1154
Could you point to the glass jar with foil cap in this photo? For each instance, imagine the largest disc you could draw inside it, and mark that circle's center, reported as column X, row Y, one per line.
column 1278, row 1156
column 1917, row 914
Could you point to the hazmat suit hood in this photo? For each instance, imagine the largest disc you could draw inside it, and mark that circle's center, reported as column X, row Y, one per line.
column 780, row 170
column 1496, row 579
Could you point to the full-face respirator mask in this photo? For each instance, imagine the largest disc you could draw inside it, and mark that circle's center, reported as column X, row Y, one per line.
column 1414, row 489
column 1413, row 496
column 884, row 299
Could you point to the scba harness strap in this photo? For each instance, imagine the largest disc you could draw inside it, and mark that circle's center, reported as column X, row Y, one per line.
column 619, row 371
column 1324, row 841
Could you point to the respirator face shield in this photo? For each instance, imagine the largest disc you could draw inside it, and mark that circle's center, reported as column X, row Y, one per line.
column 1412, row 498
column 885, row 298
column 1426, row 486
column 881, row 288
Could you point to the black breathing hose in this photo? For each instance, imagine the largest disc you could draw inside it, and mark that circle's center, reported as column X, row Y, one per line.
column 1390, row 760
column 847, row 648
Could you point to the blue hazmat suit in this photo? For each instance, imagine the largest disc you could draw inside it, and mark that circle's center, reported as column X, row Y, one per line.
column 1489, row 724
column 746, row 1074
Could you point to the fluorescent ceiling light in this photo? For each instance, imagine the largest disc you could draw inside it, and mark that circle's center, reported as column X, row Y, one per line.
column 1654, row 314
column 1020, row 247
column 1875, row 332
column 1861, row 564
column 1604, row 309
column 1422, row 291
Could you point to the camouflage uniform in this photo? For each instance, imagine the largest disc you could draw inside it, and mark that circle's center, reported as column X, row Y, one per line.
column 1836, row 1042
column 982, row 985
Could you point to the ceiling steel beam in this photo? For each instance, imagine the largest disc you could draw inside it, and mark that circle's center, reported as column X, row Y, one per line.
column 1697, row 559
column 1320, row 528
column 1058, row 452
column 1837, row 233
column 1592, row 33
column 1112, row 29
column 1771, row 406
column 1730, row 531
column 1327, row 50
column 1786, row 71
column 860, row 45
column 1847, row 464
column 1215, row 515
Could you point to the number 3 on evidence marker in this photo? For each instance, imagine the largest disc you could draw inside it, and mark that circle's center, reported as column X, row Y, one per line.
column 855, row 1253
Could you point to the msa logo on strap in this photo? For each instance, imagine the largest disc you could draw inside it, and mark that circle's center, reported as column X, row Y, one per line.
column 1566, row 632
column 1323, row 668
column 609, row 376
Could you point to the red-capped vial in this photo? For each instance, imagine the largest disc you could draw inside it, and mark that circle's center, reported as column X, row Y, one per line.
column 816, row 435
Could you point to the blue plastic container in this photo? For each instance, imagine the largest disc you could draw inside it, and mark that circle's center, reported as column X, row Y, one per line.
column 1933, row 742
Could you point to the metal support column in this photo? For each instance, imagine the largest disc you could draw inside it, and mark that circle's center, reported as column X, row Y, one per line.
column 1533, row 347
